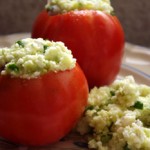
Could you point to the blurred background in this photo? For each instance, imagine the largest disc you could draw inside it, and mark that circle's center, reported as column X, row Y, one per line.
column 17, row 16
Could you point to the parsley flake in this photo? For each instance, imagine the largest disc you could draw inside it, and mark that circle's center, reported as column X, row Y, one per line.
column 45, row 47
column 13, row 67
column 138, row 105
column 20, row 43
column 112, row 93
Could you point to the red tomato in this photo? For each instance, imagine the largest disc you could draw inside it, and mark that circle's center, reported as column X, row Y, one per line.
column 42, row 110
column 95, row 38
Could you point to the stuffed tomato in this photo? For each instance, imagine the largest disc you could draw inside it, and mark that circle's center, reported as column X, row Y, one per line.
column 89, row 29
column 43, row 92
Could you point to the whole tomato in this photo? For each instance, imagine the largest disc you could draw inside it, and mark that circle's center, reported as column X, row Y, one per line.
column 95, row 38
column 41, row 110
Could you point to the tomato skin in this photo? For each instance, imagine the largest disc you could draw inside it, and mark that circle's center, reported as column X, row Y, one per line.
column 95, row 38
column 42, row 110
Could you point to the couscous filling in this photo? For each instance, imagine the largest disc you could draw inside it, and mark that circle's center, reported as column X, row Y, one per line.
column 63, row 6
column 30, row 58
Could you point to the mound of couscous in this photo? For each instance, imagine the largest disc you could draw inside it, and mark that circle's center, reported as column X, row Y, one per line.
column 30, row 58
column 118, row 117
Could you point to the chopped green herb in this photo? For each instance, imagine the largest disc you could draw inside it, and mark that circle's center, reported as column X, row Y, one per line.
column 80, row 5
column 112, row 93
column 13, row 67
column 20, row 43
column 45, row 47
column 138, row 105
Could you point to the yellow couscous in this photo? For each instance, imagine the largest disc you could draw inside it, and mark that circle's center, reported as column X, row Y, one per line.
column 29, row 58
column 118, row 116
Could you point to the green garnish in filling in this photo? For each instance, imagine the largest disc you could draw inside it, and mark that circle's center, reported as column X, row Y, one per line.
column 112, row 93
column 20, row 43
column 45, row 47
column 13, row 67
column 138, row 105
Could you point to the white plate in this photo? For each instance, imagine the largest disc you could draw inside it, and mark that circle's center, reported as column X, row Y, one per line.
column 137, row 57
column 139, row 76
